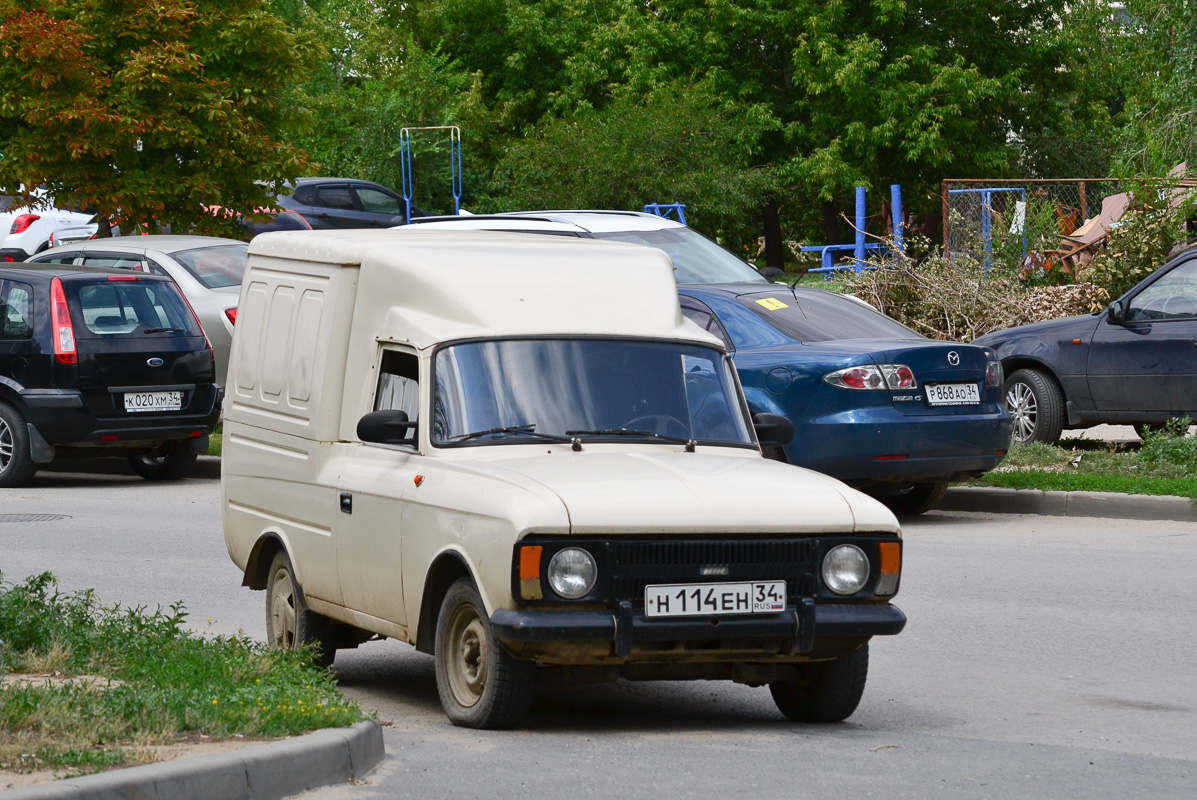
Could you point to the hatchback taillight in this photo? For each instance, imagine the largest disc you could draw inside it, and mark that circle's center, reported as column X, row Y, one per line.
column 231, row 313
column 22, row 223
column 64, row 332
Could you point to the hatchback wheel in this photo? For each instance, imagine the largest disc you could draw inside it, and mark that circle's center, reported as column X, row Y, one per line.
column 1036, row 406
column 171, row 463
column 16, row 462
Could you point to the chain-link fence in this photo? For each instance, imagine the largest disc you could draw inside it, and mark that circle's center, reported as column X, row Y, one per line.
column 999, row 222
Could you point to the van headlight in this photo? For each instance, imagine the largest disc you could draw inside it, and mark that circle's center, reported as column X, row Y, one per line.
column 572, row 573
column 845, row 569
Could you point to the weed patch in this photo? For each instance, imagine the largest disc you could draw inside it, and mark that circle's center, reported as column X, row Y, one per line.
column 166, row 682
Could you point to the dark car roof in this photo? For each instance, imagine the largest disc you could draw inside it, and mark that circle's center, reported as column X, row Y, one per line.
column 353, row 181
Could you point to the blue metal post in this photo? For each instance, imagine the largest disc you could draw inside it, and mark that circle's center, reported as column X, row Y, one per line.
column 405, row 164
column 1026, row 209
column 455, row 167
column 895, row 196
column 987, row 225
column 860, row 226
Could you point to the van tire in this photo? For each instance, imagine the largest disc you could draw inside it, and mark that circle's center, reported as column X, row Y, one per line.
column 289, row 623
column 480, row 684
column 172, row 463
column 16, row 462
column 826, row 691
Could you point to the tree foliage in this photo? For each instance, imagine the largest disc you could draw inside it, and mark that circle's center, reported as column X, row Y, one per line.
column 148, row 112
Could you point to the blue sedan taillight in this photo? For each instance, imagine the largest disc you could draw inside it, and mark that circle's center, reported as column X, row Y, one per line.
column 886, row 376
column 993, row 373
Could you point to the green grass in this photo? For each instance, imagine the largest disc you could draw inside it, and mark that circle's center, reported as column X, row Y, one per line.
column 1165, row 464
column 214, row 440
column 172, row 683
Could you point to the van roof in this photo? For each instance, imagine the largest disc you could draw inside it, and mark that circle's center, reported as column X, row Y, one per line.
column 426, row 286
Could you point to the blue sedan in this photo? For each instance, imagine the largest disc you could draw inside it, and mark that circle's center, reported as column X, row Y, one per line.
column 874, row 403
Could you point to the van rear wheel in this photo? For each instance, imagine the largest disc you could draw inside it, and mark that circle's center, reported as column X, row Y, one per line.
column 480, row 684
column 289, row 623
column 826, row 691
column 171, row 463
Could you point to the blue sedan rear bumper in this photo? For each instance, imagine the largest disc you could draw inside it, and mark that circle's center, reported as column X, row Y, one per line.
column 881, row 444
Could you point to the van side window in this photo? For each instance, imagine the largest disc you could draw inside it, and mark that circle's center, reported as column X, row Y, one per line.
column 398, row 385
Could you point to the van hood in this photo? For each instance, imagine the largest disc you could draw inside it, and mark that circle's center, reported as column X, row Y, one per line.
column 678, row 492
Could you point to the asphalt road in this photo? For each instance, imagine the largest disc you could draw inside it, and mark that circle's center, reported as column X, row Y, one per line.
column 1045, row 657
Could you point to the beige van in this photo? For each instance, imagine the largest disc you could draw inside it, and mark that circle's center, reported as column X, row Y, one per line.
column 516, row 454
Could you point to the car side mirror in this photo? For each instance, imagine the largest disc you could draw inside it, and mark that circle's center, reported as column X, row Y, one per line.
column 389, row 426
column 772, row 273
column 1116, row 312
column 398, row 219
column 773, row 430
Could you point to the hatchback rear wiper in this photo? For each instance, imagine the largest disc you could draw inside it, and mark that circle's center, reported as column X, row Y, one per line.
column 164, row 330
column 526, row 429
column 689, row 443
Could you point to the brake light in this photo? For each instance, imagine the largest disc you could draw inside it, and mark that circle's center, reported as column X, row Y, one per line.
column 64, row 332
column 123, row 278
column 993, row 373
column 886, row 376
column 51, row 244
column 22, row 223
column 231, row 313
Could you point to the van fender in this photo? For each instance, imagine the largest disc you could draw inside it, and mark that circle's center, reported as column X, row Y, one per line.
column 447, row 566
column 257, row 566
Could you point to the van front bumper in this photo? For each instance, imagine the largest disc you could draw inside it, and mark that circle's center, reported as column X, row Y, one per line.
column 621, row 628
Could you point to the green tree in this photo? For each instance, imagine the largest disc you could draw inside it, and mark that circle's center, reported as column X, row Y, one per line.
column 148, row 112
column 852, row 91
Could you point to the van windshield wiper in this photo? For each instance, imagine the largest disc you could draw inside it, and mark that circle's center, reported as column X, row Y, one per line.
column 526, row 429
column 164, row 330
column 689, row 443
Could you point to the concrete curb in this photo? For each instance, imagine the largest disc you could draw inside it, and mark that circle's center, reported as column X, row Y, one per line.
column 1068, row 504
column 259, row 772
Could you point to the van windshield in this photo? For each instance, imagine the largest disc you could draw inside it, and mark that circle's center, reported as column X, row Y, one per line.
column 529, row 390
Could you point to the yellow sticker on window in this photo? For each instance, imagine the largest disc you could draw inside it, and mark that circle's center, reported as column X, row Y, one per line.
column 772, row 303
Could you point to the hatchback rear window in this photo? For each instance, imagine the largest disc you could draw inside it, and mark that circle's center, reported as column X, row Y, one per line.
column 122, row 308
column 818, row 316
column 215, row 267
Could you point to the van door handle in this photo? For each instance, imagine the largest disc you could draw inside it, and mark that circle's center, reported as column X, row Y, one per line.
column 346, row 503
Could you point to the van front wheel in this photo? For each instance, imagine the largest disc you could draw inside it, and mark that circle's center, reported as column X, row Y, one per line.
column 480, row 684
column 289, row 623
column 826, row 691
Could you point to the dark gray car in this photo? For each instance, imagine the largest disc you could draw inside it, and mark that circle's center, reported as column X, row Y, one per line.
column 346, row 203
column 1134, row 363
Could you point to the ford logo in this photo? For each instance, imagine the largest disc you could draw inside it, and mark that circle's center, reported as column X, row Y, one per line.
column 954, row 358
column 155, row 362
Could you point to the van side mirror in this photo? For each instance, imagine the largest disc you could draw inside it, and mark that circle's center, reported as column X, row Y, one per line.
column 389, row 426
column 1117, row 312
column 773, row 430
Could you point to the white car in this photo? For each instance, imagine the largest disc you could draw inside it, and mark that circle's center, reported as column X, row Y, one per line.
column 29, row 229
column 448, row 439
column 207, row 269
